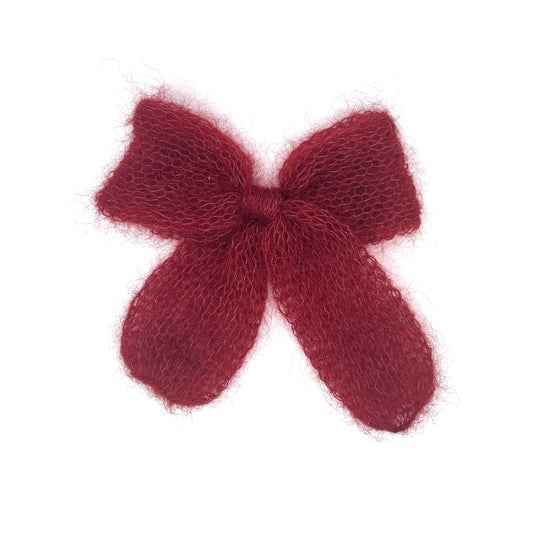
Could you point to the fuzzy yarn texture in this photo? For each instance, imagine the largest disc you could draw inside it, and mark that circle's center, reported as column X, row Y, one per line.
column 189, row 328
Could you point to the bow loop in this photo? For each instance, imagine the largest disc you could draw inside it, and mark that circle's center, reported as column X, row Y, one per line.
column 180, row 176
column 356, row 170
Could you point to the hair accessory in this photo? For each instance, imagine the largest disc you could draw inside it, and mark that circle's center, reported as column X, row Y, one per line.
column 190, row 327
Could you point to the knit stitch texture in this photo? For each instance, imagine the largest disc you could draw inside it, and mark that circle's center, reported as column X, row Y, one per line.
column 190, row 327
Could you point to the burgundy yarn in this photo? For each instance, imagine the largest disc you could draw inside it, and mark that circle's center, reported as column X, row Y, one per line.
column 190, row 327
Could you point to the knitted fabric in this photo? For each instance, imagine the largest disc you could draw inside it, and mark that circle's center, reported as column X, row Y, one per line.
column 190, row 327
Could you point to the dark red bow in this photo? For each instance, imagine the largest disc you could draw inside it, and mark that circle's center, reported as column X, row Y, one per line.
column 190, row 327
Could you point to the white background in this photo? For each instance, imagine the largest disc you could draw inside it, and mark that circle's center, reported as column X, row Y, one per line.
column 83, row 448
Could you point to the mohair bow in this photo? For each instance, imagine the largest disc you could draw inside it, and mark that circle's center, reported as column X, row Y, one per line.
column 190, row 327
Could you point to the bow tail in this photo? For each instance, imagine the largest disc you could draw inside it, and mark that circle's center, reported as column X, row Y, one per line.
column 190, row 327
column 354, row 326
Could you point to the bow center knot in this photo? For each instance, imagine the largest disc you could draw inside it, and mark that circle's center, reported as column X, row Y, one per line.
column 261, row 204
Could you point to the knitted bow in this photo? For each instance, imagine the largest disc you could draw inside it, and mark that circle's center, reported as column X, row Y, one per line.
column 190, row 327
